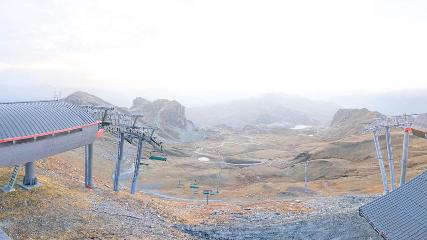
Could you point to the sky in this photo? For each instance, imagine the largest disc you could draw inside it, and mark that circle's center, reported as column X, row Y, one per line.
column 206, row 51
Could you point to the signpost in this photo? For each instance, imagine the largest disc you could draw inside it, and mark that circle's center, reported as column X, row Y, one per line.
column 207, row 193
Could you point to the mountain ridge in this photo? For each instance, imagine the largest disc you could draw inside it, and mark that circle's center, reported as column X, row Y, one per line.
column 288, row 110
column 168, row 116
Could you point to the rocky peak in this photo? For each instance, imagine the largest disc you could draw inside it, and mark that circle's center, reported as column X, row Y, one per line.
column 350, row 121
column 163, row 110
column 83, row 98
column 139, row 101
column 167, row 115
column 344, row 116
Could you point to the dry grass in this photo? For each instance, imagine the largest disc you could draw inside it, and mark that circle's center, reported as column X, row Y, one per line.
column 63, row 209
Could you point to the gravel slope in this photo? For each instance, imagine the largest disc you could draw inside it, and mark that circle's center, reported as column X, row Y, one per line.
column 332, row 218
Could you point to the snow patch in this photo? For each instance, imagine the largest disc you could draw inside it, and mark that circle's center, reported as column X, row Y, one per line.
column 203, row 159
column 299, row 127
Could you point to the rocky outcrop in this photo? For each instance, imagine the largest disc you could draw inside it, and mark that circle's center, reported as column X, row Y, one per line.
column 168, row 116
column 348, row 122
column 170, row 112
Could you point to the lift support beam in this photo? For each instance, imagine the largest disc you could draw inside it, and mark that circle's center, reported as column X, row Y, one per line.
column 137, row 167
column 30, row 179
column 405, row 156
column 119, row 161
column 381, row 162
column 88, row 165
column 390, row 157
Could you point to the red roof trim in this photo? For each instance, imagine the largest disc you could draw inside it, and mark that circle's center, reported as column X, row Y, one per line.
column 48, row 133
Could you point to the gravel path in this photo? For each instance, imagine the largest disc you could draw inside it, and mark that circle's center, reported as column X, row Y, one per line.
column 332, row 218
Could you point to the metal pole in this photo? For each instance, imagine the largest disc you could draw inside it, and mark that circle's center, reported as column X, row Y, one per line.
column 88, row 165
column 119, row 161
column 86, row 161
column 390, row 157
column 137, row 167
column 30, row 174
column 207, row 199
column 405, row 153
column 305, row 175
column 381, row 162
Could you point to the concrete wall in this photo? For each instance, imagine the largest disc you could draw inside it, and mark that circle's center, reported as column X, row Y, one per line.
column 35, row 150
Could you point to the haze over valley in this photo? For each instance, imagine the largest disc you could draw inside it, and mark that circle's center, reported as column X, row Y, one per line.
column 184, row 119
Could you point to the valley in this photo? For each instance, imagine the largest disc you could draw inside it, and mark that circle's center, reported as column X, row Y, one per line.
column 213, row 120
column 254, row 175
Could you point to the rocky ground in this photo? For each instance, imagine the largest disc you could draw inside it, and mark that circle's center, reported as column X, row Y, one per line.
column 63, row 209
column 263, row 201
column 328, row 218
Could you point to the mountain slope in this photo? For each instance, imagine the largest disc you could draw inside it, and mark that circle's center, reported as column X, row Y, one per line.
column 83, row 98
column 168, row 116
column 270, row 109
column 348, row 122
column 390, row 103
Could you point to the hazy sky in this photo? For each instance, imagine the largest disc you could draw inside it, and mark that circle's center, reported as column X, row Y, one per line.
column 187, row 49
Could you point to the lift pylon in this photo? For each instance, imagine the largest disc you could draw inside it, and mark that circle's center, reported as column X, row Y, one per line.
column 125, row 127
column 384, row 125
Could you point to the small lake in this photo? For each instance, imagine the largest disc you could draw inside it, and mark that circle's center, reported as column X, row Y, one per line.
column 243, row 162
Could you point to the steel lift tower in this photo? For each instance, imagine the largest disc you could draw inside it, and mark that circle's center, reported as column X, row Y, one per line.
column 384, row 125
column 125, row 128
column 402, row 213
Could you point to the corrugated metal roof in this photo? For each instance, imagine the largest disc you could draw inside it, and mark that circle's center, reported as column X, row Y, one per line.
column 22, row 119
column 401, row 214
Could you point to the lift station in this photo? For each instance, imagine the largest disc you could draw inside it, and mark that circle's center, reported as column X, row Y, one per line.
column 31, row 131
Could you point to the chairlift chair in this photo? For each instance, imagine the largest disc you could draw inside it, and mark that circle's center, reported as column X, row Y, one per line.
column 194, row 185
column 157, row 156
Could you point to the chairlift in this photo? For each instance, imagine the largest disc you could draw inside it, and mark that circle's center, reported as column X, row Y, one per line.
column 158, row 156
column 180, row 185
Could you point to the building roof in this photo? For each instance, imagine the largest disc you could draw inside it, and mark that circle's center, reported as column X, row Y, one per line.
column 419, row 127
column 21, row 120
column 401, row 214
